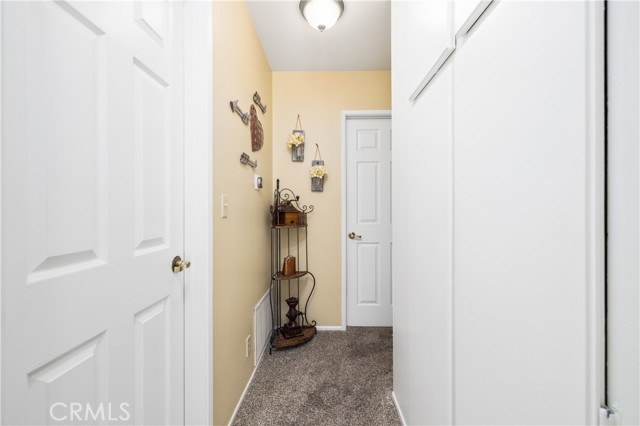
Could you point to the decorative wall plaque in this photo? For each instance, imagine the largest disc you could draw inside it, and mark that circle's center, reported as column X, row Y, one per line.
column 235, row 108
column 258, row 101
column 257, row 134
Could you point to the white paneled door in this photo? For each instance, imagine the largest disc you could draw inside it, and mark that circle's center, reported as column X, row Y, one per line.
column 92, row 213
column 369, row 242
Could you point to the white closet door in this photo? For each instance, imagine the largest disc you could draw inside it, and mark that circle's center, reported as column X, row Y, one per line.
column 528, row 221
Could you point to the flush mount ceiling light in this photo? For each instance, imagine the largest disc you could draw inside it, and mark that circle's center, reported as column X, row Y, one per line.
column 321, row 14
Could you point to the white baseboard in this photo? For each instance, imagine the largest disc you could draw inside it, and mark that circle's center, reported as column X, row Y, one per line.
column 395, row 402
column 259, row 346
column 330, row 328
column 244, row 392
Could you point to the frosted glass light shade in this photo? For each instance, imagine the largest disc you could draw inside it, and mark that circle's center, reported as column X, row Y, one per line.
column 321, row 14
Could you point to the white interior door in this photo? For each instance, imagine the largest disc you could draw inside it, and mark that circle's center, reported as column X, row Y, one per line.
column 92, row 212
column 623, row 356
column 369, row 243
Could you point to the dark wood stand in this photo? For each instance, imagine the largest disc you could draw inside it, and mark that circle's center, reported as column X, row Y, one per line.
column 289, row 325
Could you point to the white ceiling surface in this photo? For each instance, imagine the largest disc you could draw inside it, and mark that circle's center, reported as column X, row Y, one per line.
column 360, row 40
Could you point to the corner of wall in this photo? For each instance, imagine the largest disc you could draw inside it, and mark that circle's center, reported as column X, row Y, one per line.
column 320, row 98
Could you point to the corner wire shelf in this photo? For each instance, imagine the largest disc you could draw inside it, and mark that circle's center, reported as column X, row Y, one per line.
column 281, row 234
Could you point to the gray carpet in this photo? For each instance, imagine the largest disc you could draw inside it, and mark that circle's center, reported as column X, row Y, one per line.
column 338, row 378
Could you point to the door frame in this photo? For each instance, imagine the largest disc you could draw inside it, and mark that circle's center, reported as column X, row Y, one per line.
column 198, row 193
column 350, row 115
column 198, row 136
column 616, row 221
column 1, row 268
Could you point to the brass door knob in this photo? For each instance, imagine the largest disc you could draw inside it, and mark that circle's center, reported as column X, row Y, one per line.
column 179, row 265
column 353, row 236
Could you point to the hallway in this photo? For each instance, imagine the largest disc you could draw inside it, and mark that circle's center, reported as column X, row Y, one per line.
column 339, row 378
column 464, row 175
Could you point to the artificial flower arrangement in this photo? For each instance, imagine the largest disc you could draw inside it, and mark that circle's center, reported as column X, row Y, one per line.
column 296, row 142
column 318, row 171
column 295, row 139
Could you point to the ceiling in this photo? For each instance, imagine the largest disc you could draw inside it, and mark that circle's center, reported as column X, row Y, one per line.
column 360, row 40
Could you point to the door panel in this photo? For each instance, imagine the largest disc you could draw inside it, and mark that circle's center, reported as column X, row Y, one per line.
column 368, row 266
column 150, row 16
column 92, row 211
column 369, row 215
column 78, row 375
column 527, row 197
column 151, row 146
column 66, row 227
column 152, row 364
column 368, row 189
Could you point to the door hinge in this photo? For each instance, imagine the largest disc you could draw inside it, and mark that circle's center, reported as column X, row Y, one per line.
column 607, row 416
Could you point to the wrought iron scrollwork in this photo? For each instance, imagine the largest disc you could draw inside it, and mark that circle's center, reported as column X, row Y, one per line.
column 289, row 237
column 285, row 195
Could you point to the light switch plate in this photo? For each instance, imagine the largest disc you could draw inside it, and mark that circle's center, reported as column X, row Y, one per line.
column 224, row 204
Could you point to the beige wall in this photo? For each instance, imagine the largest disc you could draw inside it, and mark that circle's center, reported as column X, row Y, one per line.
column 241, row 241
column 319, row 98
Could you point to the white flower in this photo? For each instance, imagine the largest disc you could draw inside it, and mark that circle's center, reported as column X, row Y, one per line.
column 318, row 171
column 295, row 139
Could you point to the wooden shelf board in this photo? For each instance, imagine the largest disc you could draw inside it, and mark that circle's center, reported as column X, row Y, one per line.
column 280, row 277
column 287, row 226
column 282, row 343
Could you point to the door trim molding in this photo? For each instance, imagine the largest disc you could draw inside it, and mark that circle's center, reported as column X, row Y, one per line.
column 198, row 134
column 347, row 115
column 1, row 268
